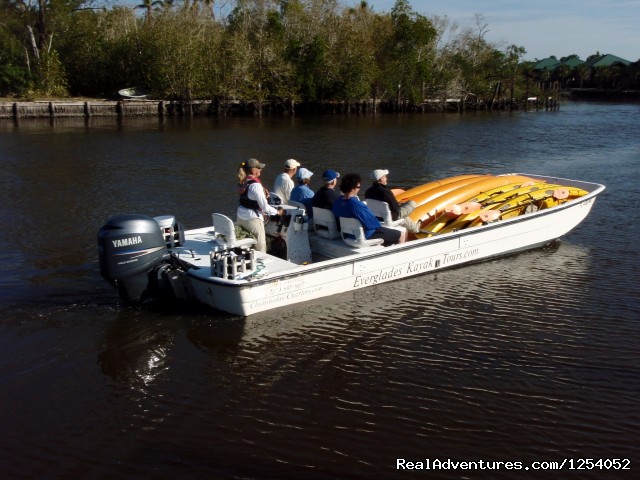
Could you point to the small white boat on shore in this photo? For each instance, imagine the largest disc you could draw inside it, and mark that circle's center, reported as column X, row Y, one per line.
column 147, row 258
column 134, row 93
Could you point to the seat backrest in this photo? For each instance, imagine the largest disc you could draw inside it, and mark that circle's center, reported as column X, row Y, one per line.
column 353, row 233
column 301, row 205
column 225, row 232
column 381, row 210
column 324, row 222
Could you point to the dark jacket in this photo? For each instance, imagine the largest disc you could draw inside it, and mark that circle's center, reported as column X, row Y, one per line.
column 325, row 197
column 377, row 191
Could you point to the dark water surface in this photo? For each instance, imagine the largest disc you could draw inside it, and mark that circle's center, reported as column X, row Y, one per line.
column 533, row 357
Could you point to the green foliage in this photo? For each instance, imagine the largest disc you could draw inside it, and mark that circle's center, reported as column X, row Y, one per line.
column 51, row 79
column 177, row 56
column 101, row 52
column 264, row 51
column 406, row 53
column 14, row 77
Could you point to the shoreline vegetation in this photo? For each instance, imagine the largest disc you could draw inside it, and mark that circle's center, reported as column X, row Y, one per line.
column 272, row 57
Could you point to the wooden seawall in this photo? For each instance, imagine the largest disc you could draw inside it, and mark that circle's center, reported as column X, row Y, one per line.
column 102, row 108
column 161, row 108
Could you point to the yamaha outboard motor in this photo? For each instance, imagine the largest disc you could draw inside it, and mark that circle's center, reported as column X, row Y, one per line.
column 131, row 247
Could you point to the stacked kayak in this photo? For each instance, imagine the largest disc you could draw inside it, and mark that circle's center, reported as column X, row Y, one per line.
column 465, row 201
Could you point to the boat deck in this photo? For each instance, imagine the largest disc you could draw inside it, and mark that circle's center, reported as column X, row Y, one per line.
column 200, row 242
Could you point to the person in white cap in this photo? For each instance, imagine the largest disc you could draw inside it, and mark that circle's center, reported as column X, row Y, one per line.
column 302, row 193
column 253, row 202
column 283, row 184
column 380, row 191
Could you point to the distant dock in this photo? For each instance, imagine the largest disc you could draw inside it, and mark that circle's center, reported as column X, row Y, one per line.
column 175, row 108
column 102, row 108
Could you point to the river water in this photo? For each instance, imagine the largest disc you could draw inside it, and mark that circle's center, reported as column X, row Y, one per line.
column 529, row 358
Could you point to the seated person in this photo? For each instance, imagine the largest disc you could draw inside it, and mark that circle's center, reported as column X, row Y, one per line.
column 302, row 193
column 348, row 205
column 283, row 183
column 380, row 191
column 326, row 194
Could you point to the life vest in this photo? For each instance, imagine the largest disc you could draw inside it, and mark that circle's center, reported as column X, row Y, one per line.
column 245, row 201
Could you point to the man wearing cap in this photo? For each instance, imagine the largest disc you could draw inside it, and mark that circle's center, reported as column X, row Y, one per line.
column 253, row 202
column 302, row 193
column 380, row 191
column 326, row 195
column 283, row 184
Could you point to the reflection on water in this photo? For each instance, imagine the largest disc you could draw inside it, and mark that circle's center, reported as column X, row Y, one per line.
column 135, row 351
column 523, row 358
column 137, row 347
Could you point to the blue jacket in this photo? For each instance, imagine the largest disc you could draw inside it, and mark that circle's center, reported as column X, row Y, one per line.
column 304, row 195
column 354, row 208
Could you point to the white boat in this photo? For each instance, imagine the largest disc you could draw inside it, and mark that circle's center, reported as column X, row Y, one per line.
column 211, row 266
column 134, row 93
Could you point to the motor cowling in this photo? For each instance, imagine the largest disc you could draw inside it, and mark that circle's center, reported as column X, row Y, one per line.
column 130, row 248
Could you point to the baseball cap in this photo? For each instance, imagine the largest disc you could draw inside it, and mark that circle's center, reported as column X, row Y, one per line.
column 254, row 163
column 291, row 163
column 330, row 175
column 378, row 174
column 304, row 173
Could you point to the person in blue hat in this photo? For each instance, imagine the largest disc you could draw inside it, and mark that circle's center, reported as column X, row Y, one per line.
column 326, row 194
column 302, row 193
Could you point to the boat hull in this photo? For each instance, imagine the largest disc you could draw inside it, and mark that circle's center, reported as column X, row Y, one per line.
column 309, row 282
column 134, row 93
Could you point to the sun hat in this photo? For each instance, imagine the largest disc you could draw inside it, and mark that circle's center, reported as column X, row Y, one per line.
column 378, row 174
column 303, row 173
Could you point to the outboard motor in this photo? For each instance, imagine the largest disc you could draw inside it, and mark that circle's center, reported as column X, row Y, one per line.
column 130, row 248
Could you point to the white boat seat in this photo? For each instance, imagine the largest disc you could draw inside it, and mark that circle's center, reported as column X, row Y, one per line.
column 353, row 234
column 293, row 203
column 324, row 223
column 225, row 232
column 302, row 207
column 383, row 213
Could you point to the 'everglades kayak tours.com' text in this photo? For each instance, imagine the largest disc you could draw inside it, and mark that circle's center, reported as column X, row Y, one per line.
column 564, row 464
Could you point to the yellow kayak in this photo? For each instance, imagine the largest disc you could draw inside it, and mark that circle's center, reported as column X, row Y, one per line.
column 528, row 203
column 406, row 195
column 428, row 211
column 498, row 193
column 464, row 212
column 471, row 210
column 439, row 190
column 542, row 190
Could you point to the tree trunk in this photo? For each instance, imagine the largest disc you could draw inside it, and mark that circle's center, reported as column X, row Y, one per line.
column 34, row 45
